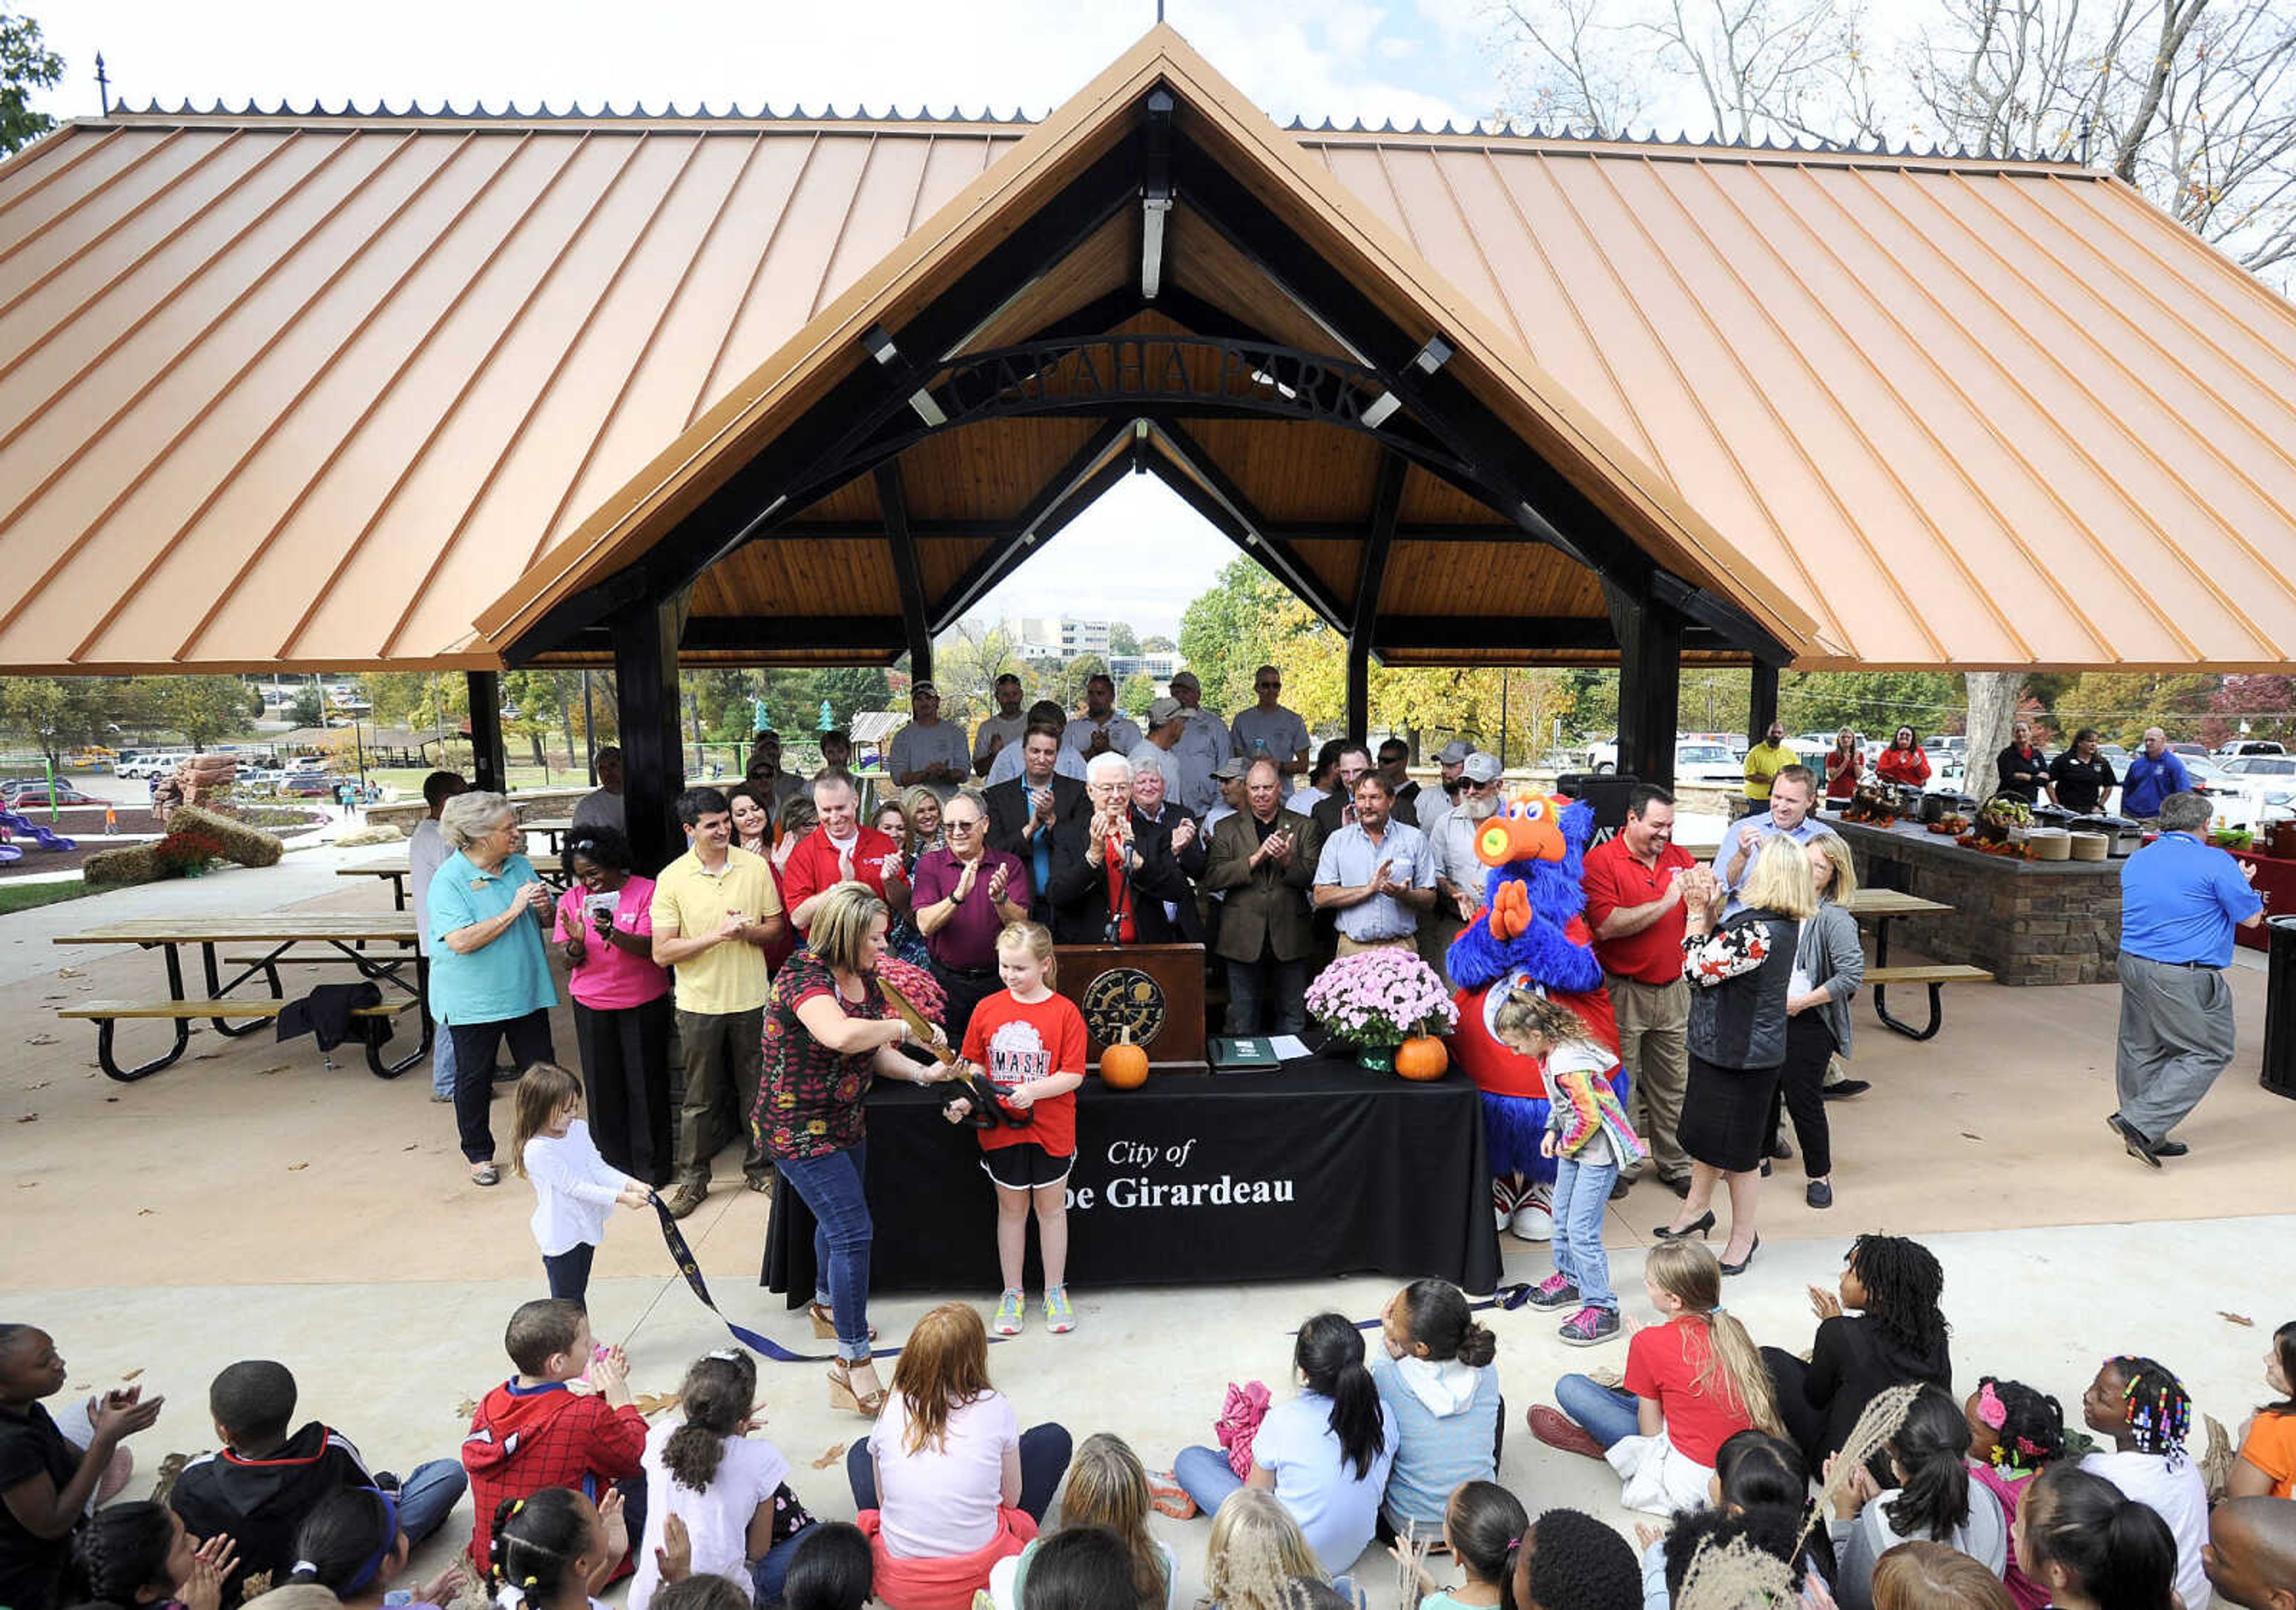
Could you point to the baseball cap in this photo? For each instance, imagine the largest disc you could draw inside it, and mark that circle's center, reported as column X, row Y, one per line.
column 1230, row 769
column 1162, row 710
column 924, row 690
column 1454, row 752
column 1482, row 768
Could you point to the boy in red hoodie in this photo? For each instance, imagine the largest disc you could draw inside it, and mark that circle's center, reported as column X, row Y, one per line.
column 531, row 1432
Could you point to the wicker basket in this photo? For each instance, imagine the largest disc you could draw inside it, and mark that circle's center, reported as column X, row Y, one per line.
column 2088, row 846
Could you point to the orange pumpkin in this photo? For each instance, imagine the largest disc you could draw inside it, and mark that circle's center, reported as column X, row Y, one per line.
column 1421, row 1059
column 1124, row 1065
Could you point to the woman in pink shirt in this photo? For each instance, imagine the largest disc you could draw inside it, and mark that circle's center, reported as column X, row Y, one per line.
column 622, row 1002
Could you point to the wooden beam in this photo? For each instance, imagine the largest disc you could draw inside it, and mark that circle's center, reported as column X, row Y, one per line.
column 916, row 629
column 1734, row 623
column 780, row 633
column 645, row 705
column 485, row 688
column 1762, row 703
column 1650, row 683
column 1198, row 473
column 1512, row 633
column 982, row 576
column 1371, row 575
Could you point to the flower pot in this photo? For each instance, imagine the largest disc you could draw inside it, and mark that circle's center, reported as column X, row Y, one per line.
column 1378, row 1058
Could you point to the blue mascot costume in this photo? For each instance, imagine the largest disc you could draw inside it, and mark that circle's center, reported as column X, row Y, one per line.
column 1531, row 934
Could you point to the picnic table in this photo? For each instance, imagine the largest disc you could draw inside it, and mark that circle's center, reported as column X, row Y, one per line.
column 1885, row 906
column 553, row 829
column 343, row 938
column 397, row 871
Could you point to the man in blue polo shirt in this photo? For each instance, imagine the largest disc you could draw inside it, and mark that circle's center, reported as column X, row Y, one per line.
column 2179, row 899
column 2153, row 775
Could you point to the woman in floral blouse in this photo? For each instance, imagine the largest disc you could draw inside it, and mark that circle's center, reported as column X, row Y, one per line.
column 828, row 1030
column 1740, row 973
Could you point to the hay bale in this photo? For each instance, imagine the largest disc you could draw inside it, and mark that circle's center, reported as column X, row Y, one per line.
column 133, row 864
column 248, row 847
column 377, row 833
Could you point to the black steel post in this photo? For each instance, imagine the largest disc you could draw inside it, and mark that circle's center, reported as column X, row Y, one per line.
column 488, row 772
column 654, row 757
column 1650, row 684
column 1762, row 707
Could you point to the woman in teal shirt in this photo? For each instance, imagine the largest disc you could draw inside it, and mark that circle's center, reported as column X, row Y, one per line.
column 489, row 976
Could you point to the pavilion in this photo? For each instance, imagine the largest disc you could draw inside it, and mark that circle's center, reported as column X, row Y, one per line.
column 345, row 390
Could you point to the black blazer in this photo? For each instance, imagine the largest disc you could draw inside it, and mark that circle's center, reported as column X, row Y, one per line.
column 1009, row 811
column 1191, row 861
column 1079, row 889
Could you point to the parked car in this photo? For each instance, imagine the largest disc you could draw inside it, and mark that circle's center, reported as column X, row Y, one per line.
column 1696, row 760
column 2246, row 745
column 35, row 794
column 307, row 785
column 2253, row 789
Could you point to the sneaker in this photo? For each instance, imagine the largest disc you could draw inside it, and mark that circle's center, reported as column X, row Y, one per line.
column 1589, row 1328
column 1553, row 1292
column 689, row 1196
column 1503, row 1199
column 1008, row 1319
column 1533, row 1219
column 1557, row 1429
column 1819, row 1193
column 1059, row 1318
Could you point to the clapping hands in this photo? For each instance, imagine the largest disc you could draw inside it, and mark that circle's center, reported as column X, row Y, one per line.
column 211, row 1563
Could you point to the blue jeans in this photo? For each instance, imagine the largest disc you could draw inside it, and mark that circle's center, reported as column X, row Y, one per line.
column 1582, row 1195
column 1206, row 1476
column 442, row 1064
column 1610, row 1417
column 428, row 1495
column 569, row 1272
column 831, row 1186
column 767, row 1576
column 1045, row 1451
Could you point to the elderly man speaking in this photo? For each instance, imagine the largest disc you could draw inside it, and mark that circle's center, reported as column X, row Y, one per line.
column 2179, row 901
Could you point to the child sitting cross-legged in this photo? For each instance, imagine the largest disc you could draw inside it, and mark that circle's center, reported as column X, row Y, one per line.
column 1436, row 1378
column 555, row 1549
column 263, row 1485
column 46, row 1481
column 732, row 1492
column 532, row 1433
column 2144, row 1408
column 1690, row 1383
column 1107, row 1488
column 2014, row 1434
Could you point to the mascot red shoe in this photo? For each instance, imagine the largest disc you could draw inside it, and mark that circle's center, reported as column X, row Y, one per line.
column 1531, row 934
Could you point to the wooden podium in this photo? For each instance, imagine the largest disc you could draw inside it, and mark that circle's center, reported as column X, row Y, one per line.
column 1157, row 990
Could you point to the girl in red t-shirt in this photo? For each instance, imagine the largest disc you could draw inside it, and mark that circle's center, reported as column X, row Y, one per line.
column 1690, row 1384
column 1031, row 1042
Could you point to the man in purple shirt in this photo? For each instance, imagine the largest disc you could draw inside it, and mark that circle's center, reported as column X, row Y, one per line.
column 964, row 894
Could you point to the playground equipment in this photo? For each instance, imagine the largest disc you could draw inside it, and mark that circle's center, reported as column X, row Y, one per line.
column 15, row 823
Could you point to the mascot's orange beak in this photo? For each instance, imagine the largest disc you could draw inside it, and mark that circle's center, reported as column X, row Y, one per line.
column 1530, row 829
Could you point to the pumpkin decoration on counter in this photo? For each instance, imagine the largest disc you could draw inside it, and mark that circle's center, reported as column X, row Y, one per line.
column 1421, row 1059
column 1124, row 1065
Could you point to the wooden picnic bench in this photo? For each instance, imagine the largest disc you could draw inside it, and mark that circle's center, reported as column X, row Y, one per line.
column 1885, row 906
column 345, row 936
column 397, row 871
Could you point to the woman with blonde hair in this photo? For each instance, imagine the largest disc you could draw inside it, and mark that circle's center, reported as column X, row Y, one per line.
column 1256, row 1553
column 948, row 1483
column 1108, row 1487
column 921, row 806
column 1692, row 1384
column 1740, row 970
column 828, row 1031
column 1829, row 965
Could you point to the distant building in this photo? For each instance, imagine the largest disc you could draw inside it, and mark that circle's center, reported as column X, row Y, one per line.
column 1038, row 638
column 1160, row 667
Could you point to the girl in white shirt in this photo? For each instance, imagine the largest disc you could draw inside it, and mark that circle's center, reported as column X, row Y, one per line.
column 573, row 1188
column 742, row 1521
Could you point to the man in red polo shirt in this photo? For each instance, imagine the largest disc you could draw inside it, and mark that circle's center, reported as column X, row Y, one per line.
column 840, row 850
column 1634, row 903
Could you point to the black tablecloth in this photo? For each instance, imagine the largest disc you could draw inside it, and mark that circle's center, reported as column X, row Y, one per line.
column 1321, row 1168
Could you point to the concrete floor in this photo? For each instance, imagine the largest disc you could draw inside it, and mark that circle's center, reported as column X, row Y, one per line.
column 249, row 1202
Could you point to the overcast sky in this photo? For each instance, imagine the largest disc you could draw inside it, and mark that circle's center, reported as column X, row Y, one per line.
column 1406, row 59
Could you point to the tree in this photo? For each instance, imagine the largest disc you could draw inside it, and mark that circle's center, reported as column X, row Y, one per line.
column 1158, row 644
column 308, row 707
column 26, row 64
column 1138, row 692
column 1876, row 703
column 965, row 668
column 1123, row 641
column 2121, row 704
column 203, row 709
column 421, row 701
column 1219, row 632
column 2255, row 707
column 63, row 712
column 536, row 700
column 1069, row 684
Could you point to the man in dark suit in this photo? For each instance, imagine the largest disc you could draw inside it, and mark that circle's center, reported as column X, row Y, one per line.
column 1109, row 883
column 1023, row 813
column 1156, row 815
column 1264, row 936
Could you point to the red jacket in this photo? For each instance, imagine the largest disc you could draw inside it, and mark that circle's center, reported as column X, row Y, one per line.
column 526, row 1438
column 1903, row 765
column 813, row 866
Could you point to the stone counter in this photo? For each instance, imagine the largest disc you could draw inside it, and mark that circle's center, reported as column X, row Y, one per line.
column 2023, row 921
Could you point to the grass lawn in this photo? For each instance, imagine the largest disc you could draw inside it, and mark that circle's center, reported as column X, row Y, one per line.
column 24, row 896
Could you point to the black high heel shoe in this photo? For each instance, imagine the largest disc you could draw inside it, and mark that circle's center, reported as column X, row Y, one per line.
column 1739, row 1268
column 1700, row 1227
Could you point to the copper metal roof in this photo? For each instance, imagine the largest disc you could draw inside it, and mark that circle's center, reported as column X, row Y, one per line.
column 317, row 390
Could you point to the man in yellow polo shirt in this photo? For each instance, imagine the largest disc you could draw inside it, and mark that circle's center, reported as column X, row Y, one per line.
column 1764, row 762
column 715, row 910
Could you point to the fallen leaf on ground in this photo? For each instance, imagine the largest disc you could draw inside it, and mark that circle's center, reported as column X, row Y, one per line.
column 410, row 1146
column 2237, row 1319
column 130, row 1375
column 56, row 997
column 279, row 1067
column 255, row 1585
column 68, row 972
column 1967, row 1136
column 831, row 1458
column 651, row 1403
column 27, row 1185
column 297, row 1168
column 29, row 1118
column 41, row 1040
column 170, row 1469
column 143, row 1213
column 466, row 1408
column 41, row 1084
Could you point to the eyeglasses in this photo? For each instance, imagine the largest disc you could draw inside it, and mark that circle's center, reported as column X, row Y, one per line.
column 960, row 824
column 1267, row 687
